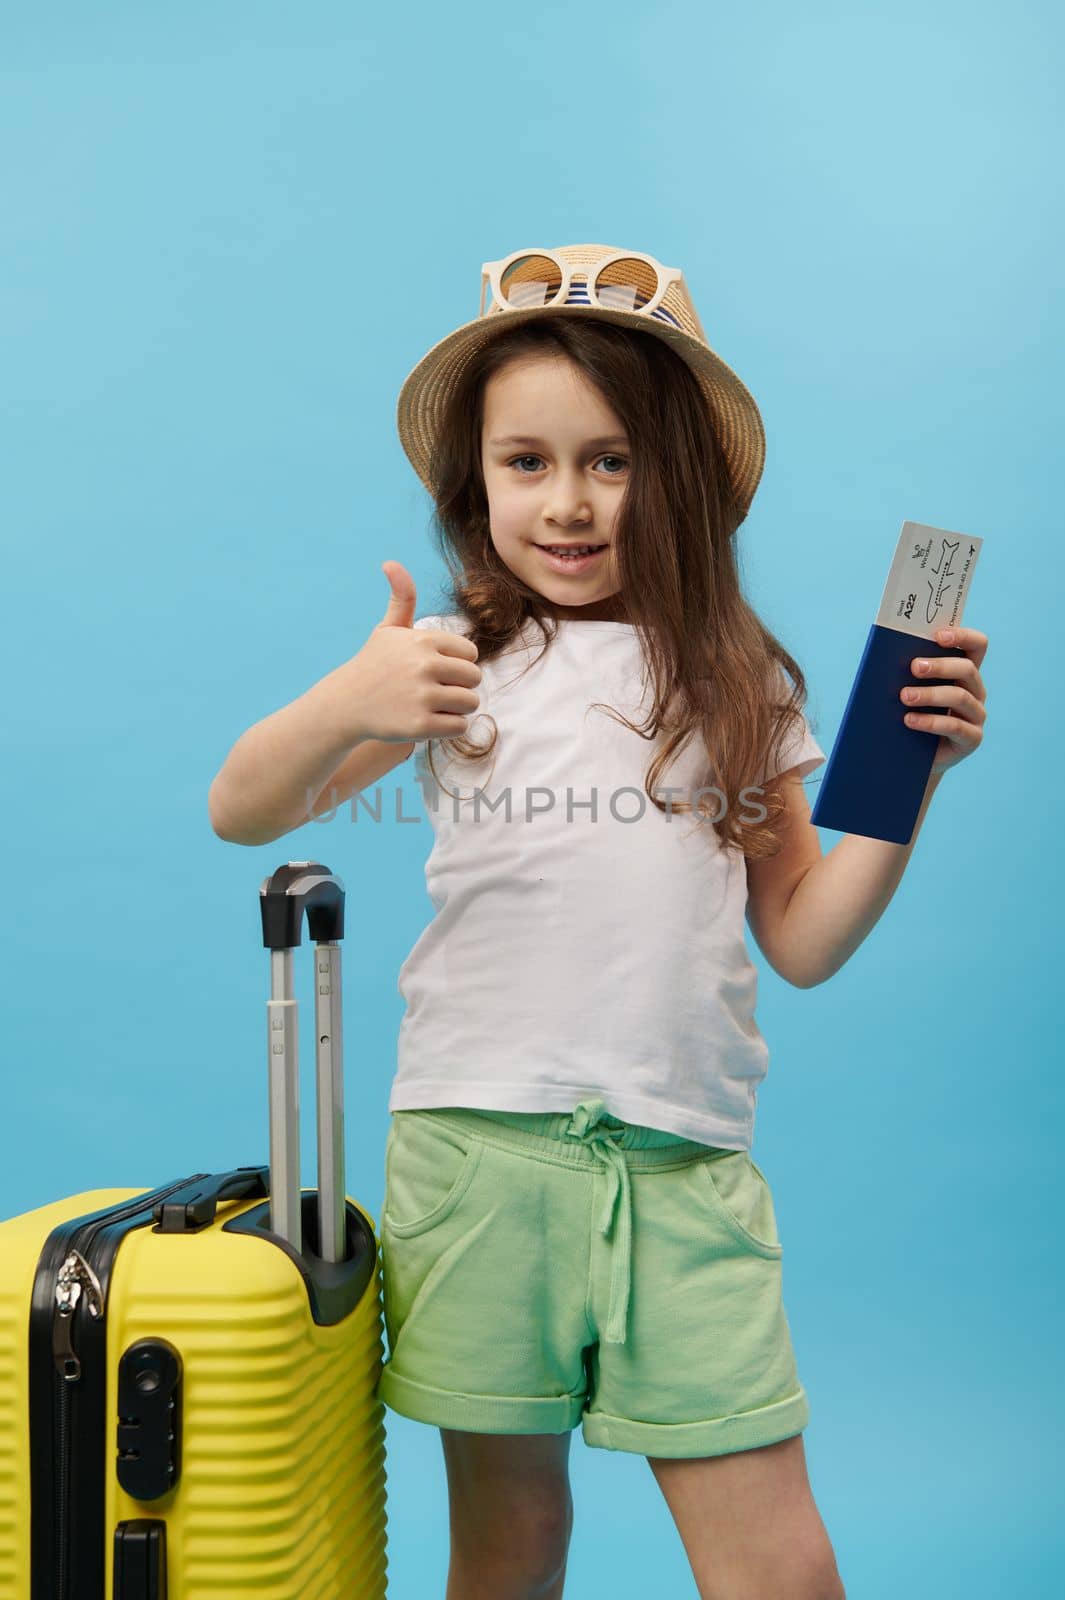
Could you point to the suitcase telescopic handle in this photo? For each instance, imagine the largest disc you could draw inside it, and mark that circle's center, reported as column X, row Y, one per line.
column 295, row 888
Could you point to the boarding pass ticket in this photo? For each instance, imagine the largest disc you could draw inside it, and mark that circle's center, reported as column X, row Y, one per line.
column 929, row 580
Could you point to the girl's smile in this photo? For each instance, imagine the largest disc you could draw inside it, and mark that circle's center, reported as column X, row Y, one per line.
column 574, row 563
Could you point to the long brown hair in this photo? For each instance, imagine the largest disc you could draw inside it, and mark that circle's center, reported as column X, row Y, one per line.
column 714, row 665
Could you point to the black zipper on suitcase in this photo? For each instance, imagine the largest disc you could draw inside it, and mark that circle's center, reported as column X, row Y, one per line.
column 68, row 1389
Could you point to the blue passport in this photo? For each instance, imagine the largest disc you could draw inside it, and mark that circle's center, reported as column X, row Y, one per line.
column 876, row 775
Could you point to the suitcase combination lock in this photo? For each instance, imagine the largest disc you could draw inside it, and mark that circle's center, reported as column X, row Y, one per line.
column 149, row 1419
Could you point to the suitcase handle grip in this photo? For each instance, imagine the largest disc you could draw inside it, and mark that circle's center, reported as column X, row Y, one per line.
column 194, row 1208
column 296, row 887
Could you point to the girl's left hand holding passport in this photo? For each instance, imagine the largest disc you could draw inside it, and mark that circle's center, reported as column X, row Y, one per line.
column 962, row 728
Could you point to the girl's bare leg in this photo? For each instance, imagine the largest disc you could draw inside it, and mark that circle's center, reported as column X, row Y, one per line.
column 511, row 1514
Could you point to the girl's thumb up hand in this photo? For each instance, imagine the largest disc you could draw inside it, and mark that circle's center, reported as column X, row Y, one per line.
column 406, row 683
column 399, row 613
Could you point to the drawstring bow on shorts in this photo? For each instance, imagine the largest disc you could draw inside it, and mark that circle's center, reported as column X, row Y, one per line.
column 586, row 1126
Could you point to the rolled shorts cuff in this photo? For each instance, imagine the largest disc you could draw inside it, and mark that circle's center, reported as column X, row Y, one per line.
column 717, row 1436
column 479, row 1413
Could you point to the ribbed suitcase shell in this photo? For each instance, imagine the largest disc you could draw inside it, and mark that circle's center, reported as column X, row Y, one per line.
column 281, row 1471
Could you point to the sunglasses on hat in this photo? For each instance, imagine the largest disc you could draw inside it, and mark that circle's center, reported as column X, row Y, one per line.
column 621, row 281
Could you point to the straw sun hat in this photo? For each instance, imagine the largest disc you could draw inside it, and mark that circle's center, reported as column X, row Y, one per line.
column 626, row 287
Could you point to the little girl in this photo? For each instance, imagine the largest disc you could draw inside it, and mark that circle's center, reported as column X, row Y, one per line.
column 573, row 1229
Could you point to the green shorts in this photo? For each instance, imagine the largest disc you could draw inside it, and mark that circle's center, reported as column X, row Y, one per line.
column 545, row 1269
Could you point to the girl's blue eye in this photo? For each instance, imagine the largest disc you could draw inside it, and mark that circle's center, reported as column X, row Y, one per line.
column 524, row 474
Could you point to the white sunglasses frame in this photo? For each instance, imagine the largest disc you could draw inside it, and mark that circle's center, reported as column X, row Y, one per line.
column 492, row 273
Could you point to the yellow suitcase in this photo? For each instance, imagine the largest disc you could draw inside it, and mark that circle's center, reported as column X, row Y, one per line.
column 188, row 1373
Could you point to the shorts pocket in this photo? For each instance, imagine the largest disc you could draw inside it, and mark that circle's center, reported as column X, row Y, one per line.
column 428, row 1169
column 739, row 1195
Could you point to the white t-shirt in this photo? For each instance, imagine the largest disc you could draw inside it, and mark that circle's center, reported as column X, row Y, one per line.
column 570, row 956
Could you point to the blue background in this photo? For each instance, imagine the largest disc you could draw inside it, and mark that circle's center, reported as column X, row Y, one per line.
column 228, row 234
